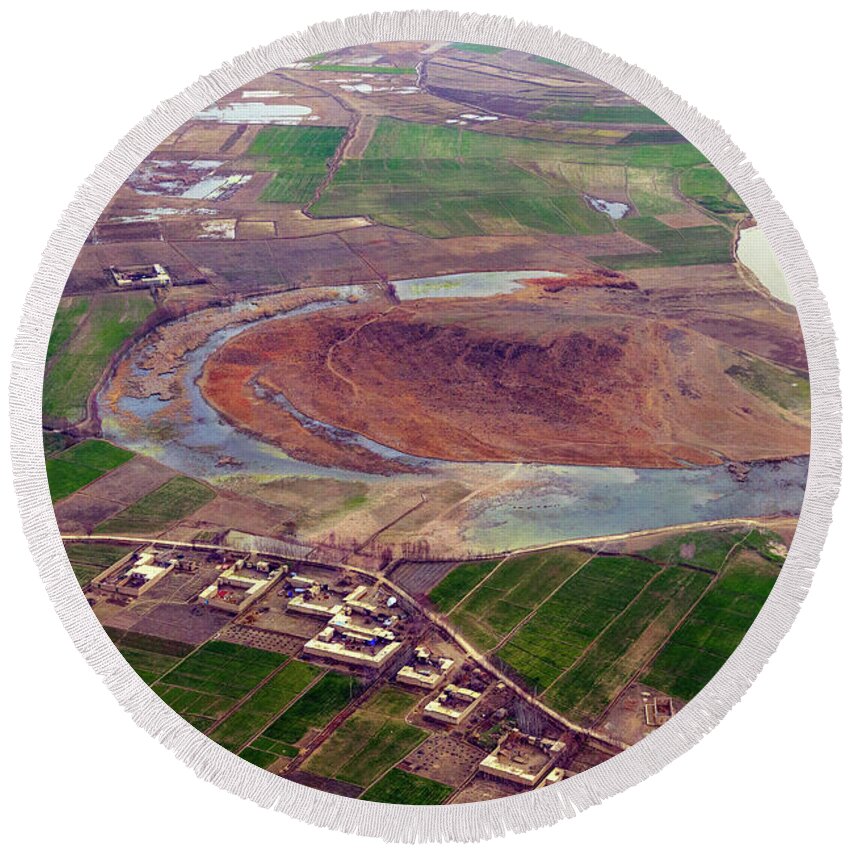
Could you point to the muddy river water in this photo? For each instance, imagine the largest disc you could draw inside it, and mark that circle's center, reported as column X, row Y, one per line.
column 510, row 505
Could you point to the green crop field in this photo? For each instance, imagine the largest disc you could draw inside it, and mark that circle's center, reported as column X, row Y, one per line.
column 83, row 463
column 653, row 192
column 512, row 592
column 90, row 559
column 628, row 114
column 562, row 628
column 315, row 709
column 701, row 645
column 708, row 549
column 459, row 582
column 788, row 388
column 475, row 48
column 151, row 657
column 621, row 650
column 86, row 333
column 263, row 705
column 208, row 682
column 169, row 503
column 364, row 69
column 438, row 181
column 299, row 157
column 399, row 786
column 708, row 187
column 260, row 754
column 687, row 246
column 369, row 742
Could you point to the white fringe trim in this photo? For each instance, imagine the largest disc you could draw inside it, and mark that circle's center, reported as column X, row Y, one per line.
column 429, row 823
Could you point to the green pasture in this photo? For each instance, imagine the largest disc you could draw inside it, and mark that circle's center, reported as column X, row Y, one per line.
column 713, row 630
column 584, row 691
column 789, row 388
column 208, row 682
column 315, row 709
column 458, row 583
column 263, row 705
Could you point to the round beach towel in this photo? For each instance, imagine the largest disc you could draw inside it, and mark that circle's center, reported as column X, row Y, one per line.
column 420, row 410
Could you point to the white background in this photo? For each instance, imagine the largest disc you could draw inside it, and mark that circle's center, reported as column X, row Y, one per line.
column 76, row 77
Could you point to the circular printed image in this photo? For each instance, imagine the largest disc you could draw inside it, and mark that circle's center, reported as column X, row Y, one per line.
column 426, row 422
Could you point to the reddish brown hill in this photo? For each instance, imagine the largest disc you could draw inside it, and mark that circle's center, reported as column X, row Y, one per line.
column 463, row 381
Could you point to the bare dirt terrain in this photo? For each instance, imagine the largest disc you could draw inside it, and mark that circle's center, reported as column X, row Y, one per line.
column 533, row 376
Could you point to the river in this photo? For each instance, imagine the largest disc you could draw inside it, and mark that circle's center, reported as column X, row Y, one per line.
column 520, row 504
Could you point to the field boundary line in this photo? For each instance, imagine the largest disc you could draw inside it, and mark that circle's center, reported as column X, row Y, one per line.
column 242, row 700
column 286, row 707
column 534, row 611
column 608, row 625
column 645, row 666
column 477, row 586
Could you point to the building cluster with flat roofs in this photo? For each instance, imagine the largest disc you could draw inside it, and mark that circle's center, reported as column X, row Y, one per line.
column 136, row 573
column 359, row 628
column 524, row 759
column 241, row 585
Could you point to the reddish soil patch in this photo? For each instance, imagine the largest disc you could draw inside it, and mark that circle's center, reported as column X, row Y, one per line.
column 517, row 378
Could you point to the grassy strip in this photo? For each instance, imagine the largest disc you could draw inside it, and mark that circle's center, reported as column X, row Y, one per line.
column 627, row 114
column 364, row 69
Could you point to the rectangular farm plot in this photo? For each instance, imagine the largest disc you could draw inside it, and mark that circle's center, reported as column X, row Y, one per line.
column 564, row 627
column 369, row 742
column 512, row 592
column 299, row 157
column 688, row 246
column 706, row 549
column 703, row 643
column 585, row 690
column 208, row 682
column 151, row 657
column 166, row 505
column 91, row 559
column 460, row 581
column 314, row 710
column 81, row 464
column 399, row 786
column 261, row 706
column 625, row 114
column 86, row 333
column 438, row 181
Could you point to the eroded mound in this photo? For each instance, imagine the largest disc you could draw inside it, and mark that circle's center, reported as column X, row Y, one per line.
column 462, row 381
